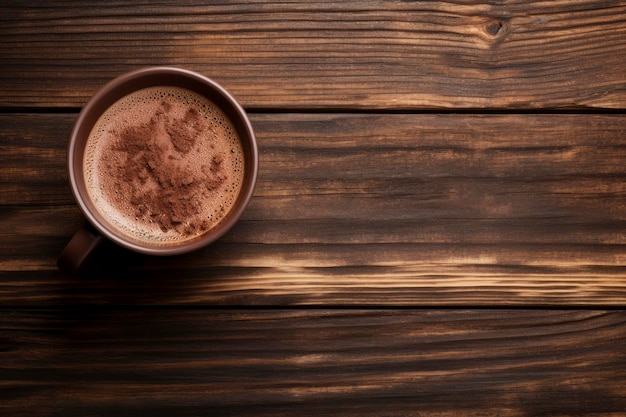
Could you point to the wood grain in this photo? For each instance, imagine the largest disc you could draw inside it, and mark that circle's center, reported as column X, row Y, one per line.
column 103, row 362
column 357, row 209
column 366, row 54
column 391, row 208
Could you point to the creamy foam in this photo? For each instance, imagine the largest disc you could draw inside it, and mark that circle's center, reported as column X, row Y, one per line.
column 163, row 165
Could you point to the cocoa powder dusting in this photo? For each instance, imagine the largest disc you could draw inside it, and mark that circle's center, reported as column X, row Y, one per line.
column 161, row 183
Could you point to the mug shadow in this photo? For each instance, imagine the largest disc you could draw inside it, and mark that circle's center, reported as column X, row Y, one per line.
column 118, row 276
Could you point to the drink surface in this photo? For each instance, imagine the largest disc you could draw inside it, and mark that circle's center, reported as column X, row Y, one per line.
column 163, row 165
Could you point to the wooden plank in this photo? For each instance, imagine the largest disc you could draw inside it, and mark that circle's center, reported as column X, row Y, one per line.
column 312, row 362
column 366, row 54
column 33, row 164
column 356, row 209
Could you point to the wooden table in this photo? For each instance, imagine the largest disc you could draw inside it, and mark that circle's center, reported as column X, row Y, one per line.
column 439, row 226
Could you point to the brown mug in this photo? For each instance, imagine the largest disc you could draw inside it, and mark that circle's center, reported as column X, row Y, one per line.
column 98, row 226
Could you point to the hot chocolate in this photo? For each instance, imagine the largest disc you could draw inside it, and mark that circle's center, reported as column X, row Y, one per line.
column 163, row 165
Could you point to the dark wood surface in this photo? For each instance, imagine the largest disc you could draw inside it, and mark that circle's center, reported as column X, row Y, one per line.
column 354, row 362
column 439, row 226
column 327, row 54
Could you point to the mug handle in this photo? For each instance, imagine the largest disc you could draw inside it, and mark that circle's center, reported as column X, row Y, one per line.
column 79, row 249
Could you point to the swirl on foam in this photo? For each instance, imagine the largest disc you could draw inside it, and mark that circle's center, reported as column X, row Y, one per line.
column 163, row 165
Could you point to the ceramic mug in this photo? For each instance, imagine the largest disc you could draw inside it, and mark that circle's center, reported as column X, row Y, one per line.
column 98, row 226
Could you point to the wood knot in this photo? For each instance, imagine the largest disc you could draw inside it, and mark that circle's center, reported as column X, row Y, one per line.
column 496, row 28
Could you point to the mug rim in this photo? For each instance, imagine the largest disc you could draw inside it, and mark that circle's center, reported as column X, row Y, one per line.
column 119, row 87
